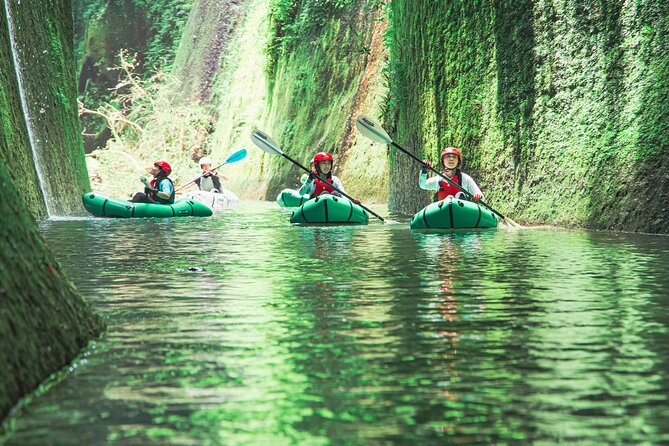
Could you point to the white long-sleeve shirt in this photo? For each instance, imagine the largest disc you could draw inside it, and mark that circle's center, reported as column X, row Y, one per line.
column 432, row 183
column 309, row 187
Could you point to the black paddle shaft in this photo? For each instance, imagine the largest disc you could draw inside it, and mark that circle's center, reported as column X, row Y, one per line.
column 453, row 183
column 332, row 186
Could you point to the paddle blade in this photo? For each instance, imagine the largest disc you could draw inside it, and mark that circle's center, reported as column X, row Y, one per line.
column 265, row 142
column 372, row 130
column 238, row 155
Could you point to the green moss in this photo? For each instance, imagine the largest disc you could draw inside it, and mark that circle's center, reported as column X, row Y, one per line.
column 303, row 93
column 44, row 322
column 560, row 108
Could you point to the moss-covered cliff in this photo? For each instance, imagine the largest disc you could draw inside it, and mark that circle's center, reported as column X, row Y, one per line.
column 560, row 107
column 103, row 28
column 320, row 68
column 14, row 143
column 205, row 40
column 44, row 322
column 43, row 36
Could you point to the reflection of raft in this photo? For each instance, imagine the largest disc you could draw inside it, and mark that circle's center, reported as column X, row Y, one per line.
column 216, row 201
column 103, row 206
column 290, row 198
column 452, row 213
column 328, row 209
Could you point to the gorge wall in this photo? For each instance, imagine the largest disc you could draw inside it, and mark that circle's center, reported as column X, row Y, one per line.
column 44, row 322
column 560, row 107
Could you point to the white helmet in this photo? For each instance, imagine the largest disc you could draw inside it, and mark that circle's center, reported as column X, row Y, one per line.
column 205, row 160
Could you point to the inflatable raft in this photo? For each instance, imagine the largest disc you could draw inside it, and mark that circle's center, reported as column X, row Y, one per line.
column 103, row 206
column 216, row 201
column 452, row 213
column 328, row 209
column 290, row 198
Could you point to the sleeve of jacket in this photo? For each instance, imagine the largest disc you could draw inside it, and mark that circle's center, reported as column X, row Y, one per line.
column 336, row 182
column 307, row 188
column 470, row 185
column 428, row 184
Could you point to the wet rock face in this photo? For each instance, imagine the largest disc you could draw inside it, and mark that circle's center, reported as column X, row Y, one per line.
column 14, row 144
column 48, row 123
column 44, row 322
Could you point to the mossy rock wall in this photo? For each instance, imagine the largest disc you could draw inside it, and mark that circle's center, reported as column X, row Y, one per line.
column 43, row 35
column 560, row 107
column 320, row 68
column 205, row 39
column 44, row 322
column 147, row 30
column 14, row 144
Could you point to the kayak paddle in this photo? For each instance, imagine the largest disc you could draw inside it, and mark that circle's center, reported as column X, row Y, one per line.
column 267, row 144
column 237, row 156
column 373, row 130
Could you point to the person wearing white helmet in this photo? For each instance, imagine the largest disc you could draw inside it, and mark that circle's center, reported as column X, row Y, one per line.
column 210, row 181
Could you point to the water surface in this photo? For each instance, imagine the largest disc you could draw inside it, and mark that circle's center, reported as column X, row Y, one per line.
column 242, row 329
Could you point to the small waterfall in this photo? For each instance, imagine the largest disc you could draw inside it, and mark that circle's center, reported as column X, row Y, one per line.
column 24, row 103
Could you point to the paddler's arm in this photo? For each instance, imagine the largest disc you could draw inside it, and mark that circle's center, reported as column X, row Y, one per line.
column 307, row 188
column 165, row 191
column 428, row 184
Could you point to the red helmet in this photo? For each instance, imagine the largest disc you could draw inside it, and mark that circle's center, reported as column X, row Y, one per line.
column 321, row 156
column 449, row 150
column 164, row 166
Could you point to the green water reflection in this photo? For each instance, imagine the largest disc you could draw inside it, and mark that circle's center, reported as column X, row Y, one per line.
column 359, row 335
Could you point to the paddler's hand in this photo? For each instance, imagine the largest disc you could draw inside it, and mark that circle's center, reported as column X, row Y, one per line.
column 145, row 181
column 477, row 197
column 426, row 165
column 356, row 201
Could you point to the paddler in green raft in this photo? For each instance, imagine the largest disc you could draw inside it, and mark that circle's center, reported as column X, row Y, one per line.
column 451, row 160
column 160, row 189
column 326, row 204
column 157, row 200
column 321, row 179
column 456, row 201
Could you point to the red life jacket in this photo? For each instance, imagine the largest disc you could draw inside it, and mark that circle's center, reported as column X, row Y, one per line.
column 446, row 188
column 322, row 187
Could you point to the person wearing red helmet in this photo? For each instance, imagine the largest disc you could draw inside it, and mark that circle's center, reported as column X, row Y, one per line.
column 321, row 179
column 160, row 189
column 451, row 160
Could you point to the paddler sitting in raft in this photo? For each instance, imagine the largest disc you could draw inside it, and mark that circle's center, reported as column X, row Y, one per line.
column 321, row 179
column 451, row 159
column 160, row 189
column 209, row 181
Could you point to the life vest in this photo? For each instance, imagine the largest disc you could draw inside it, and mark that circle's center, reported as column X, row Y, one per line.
column 446, row 188
column 322, row 186
column 155, row 184
column 207, row 184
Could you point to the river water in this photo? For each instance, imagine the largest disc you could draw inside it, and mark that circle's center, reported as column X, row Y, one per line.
column 243, row 330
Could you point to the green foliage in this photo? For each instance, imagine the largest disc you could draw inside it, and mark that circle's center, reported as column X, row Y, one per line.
column 147, row 124
column 296, row 22
column 165, row 19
